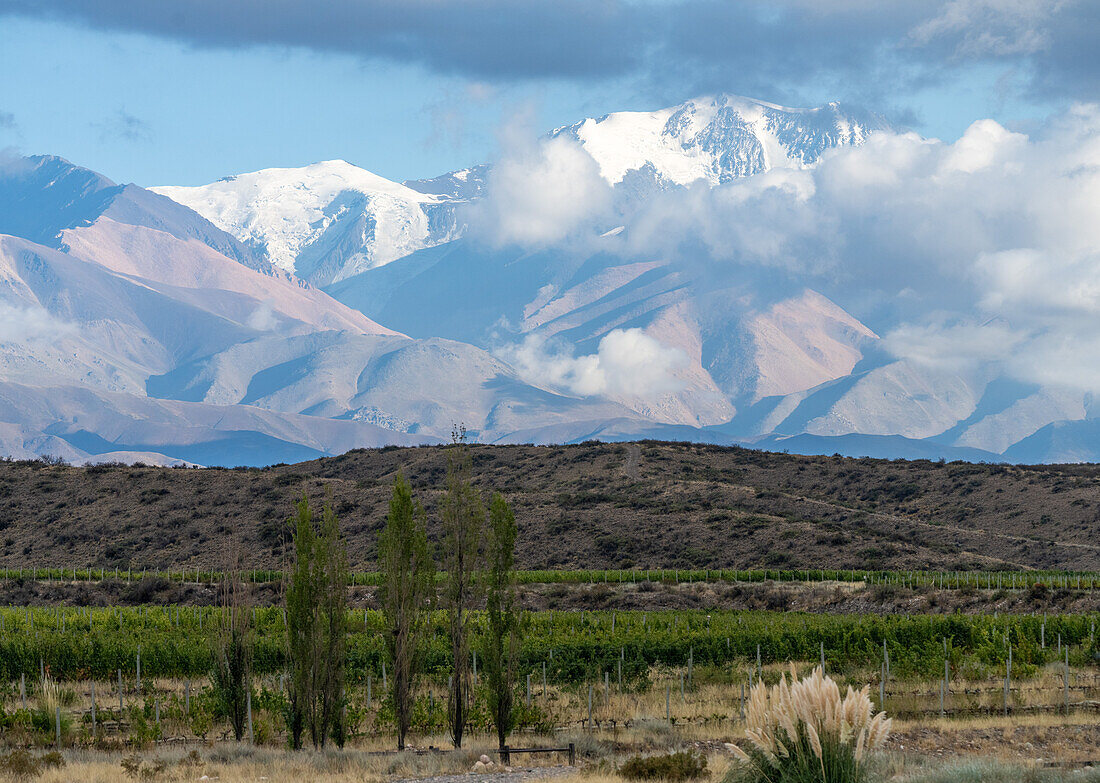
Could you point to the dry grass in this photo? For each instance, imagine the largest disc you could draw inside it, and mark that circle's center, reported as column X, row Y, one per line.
column 231, row 764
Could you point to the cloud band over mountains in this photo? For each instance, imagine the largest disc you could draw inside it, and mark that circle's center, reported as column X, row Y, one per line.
column 869, row 47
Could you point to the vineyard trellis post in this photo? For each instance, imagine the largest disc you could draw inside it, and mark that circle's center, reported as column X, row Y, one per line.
column 1065, row 683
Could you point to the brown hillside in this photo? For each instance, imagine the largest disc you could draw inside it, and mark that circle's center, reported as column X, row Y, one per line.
column 587, row 506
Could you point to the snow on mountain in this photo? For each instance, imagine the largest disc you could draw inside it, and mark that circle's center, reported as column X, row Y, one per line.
column 133, row 335
column 323, row 222
column 330, row 221
column 289, row 313
column 717, row 139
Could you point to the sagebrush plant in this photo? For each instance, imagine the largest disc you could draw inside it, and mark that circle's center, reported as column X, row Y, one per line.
column 803, row 731
column 674, row 767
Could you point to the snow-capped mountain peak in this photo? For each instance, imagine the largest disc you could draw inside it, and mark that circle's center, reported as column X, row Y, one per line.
column 323, row 222
column 717, row 138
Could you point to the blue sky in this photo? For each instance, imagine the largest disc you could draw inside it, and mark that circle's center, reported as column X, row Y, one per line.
column 186, row 91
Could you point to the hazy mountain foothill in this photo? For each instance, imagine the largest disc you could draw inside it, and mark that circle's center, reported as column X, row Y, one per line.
column 288, row 314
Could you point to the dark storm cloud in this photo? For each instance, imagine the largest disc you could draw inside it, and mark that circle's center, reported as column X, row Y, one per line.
column 861, row 46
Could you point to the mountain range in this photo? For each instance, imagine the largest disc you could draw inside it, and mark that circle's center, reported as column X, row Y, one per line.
column 284, row 314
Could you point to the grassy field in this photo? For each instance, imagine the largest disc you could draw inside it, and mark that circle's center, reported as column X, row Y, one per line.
column 990, row 749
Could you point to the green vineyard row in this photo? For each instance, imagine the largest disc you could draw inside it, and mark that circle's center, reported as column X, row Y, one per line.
column 989, row 580
column 575, row 647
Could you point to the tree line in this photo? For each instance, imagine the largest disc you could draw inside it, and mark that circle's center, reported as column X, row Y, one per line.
column 477, row 558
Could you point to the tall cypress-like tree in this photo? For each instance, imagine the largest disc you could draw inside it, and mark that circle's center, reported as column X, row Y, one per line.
column 231, row 676
column 316, row 603
column 333, row 566
column 408, row 587
column 300, row 625
column 463, row 516
column 502, row 638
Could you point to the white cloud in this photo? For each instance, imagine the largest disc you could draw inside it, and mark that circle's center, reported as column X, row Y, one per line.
column 999, row 28
column 958, row 252
column 263, row 318
column 628, row 363
column 31, row 324
column 540, row 193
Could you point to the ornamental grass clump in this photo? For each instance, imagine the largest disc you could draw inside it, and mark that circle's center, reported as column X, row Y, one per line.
column 802, row 731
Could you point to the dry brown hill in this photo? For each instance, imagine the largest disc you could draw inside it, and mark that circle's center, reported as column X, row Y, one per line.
column 586, row 506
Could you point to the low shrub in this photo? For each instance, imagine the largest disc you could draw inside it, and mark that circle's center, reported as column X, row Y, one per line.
column 672, row 766
column 22, row 765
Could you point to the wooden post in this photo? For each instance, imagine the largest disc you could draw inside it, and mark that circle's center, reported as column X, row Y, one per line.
column 139, row 670
column 742, row 713
column 528, row 689
column 385, row 687
column 823, row 657
column 248, row 704
column 57, row 724
column 1065, row 683
column 572, row 755
column 120, row 705
column 590, row 706
column 187, row 697
column 156, row 708
column 93, row 709
column 368, row 691
column 668, row 707
column 544, row 679
column 23, row 689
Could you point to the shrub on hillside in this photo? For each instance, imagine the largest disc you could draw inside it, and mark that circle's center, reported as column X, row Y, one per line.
column 672, row 767
column 804, row 732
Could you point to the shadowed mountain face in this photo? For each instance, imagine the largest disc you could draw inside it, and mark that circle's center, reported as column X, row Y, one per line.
column 43, row 195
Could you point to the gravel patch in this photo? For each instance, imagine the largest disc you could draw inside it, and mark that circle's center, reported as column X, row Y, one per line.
column 517, row 775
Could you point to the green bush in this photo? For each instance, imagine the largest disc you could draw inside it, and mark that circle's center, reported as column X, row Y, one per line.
column 672, row 767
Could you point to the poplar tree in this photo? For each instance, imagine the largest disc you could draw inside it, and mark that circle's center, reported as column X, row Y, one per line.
column 231, row 677
column 316, row 606
column 463, row 516
column 406, row 592
column 502, row 639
